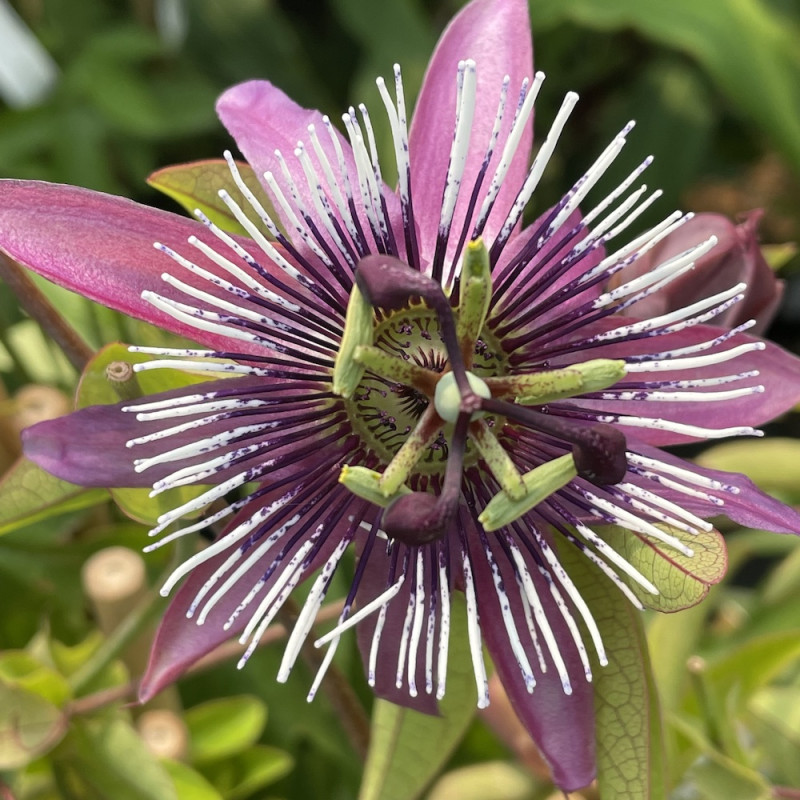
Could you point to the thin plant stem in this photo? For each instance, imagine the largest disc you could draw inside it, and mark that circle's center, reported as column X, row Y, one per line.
column 32, row 299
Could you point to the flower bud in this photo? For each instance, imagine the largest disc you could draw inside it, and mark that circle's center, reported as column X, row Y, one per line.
column 736, row 258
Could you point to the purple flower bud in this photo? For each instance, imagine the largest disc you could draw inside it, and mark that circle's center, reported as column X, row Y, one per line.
column 736, row 258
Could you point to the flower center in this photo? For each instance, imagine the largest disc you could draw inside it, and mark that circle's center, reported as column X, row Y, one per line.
column 390, row 372
column 387, row 405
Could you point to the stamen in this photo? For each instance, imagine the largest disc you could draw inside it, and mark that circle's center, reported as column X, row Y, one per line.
column 573, row 594
column 474, row 631
column 404, row 638
column 365, row 178
column 670, row 364
column 682, row 473
column 323, row 208
column 696, row 431
column 539, row 613
column 535, row 173
column 444, row 623
column 416, row 628
column 465, row 110
column 336, row 192
column 524, row 109
column 634, row 523
column 370, row 608
column 508, row 619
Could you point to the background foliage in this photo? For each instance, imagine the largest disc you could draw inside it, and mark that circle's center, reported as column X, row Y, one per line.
column 715, row 87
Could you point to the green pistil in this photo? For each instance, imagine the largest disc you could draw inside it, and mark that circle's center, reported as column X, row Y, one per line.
column 411, row 451
column 395, row 369
column 544, row 387
column 475, row 295
column 347, row 372
column 447, row 397
column 540, row 483
column 498, row 460
column 365, row 483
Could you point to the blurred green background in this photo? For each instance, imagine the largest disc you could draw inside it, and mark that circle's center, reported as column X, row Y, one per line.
column 127, row 87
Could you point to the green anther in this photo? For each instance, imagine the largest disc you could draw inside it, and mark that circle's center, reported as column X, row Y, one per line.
column 556, row 384
column 498, row 460
column 395, row 369
column 364, row 483
column 412, row 449
column 474, row 294
column 347, row 372
column 541, row 482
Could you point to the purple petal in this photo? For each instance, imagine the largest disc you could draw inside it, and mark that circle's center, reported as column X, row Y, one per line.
column 88, row 447
column 525, row 293
column 748, row 505
column 102, row 247
column 262, row 119
column 561, row 725
column 180, row 642
column 374, row 582
column 736, row 258
column 779, row 374
column 496, row 34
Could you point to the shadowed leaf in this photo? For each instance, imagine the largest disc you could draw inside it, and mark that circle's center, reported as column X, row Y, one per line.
column 29, row 494
column 197, row 185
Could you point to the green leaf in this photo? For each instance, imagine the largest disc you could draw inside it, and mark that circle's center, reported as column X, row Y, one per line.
column 714, row 776
column 29, row 726
column 630, row 750
column 108, row 755
column 779, row 255
column 682, row 581
column 752, row 666
column 407, row 748
column 774, row 718
column 672, row 638
column 189, row 784
column 241, row 775
column 746, row 46
column 489, row 780
column 21, row 669
column 95, row 389
column 28, row 494
column 197, row 185
column 220, row 728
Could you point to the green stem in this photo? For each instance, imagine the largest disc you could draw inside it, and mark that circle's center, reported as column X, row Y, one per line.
column 32, row 299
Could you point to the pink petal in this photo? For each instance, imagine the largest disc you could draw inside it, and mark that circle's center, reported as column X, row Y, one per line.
column 262, row 119
column 496, row 34
column 102, row 247
column 779, row 374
